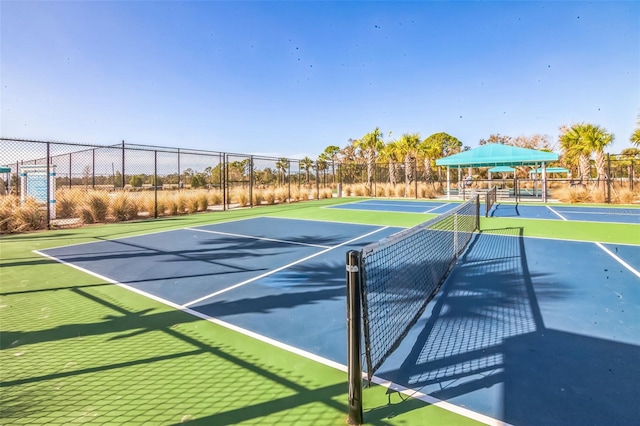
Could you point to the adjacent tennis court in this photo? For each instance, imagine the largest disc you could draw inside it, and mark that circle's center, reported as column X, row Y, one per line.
column 510, row 303
column 507, row 210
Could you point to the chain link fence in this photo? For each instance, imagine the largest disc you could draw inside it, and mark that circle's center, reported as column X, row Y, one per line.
column 52, row 184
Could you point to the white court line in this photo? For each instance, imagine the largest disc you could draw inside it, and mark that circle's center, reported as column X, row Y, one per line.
column 436, row 208
column 619, row 260
column 607, row 213
column 257, row 238
column 435, row 401
column 266, row 274
column 558, row 214
column 311, row 356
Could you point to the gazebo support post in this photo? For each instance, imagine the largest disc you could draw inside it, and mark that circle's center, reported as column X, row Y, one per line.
column 448, row 183
column 544, row 182
column 535, row 181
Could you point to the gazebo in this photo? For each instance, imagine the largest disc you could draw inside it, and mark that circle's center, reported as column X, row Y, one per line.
column 498, row 155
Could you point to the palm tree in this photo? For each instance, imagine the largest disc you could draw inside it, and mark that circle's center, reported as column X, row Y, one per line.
column 408, row 147
column 350, row 160
column 430, row 150
column 282, row 165
column 572, row 141
column 627, row 158
column 331, row 154
column 635, row 136
column 306, row 164
column 598, row 139
column 583, row 139
column 370, row 144
column 321, row 165
column 390, row 154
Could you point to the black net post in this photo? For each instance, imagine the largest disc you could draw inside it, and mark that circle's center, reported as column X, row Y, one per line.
column 354, row 363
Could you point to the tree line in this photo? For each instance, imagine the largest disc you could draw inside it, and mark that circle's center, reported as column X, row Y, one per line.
column 578, row 143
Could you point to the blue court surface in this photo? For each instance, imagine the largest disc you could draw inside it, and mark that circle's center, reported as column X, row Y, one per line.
column 543, row 211
column 524, row 330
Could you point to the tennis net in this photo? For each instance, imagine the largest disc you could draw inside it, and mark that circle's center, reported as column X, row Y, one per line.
column 490, row 199
column 390, row 283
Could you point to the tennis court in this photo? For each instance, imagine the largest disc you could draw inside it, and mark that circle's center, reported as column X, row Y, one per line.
column 525, row 330
column 507, row 210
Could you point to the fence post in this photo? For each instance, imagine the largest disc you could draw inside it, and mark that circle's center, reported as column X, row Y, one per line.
column 48, row 200
column 123, row 165
column 93, row 169
column 225, row 180
column 289, row 180
column 251, row 181
column 354, row 364
column 317, row 182
column 155, row 184
column 415, row 175
column 608, row 177
column 478, row 210
column 339, row 183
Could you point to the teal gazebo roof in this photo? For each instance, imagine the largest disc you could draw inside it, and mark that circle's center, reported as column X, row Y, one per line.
column 501, row 169
column 495, row 154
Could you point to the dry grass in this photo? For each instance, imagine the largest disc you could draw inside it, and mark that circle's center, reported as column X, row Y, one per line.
column 215, row 197
column 326, row 193
column 67, row 201
column 258, row 197
column 146, row 202
column 21, row 217
column 123, row 206
column 269, row 196
column 389, row 191
column 627, row 196
column 426, row 191
column 295, row 194
column 240, row 196
column 282, row 194
column 581, row 194
column 95, row 207
column 359, row 190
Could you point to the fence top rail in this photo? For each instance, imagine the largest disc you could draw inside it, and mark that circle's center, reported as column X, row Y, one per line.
column 140, row 147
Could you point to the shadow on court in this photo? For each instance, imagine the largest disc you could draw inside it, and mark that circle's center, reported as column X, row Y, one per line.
column 218, row 381
column 505, row 210
column 486, row 340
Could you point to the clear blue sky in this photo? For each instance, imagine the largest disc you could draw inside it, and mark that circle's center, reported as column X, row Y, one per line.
column 290, row 78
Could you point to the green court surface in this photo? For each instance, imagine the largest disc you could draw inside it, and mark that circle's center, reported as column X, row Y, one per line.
column 77, row 349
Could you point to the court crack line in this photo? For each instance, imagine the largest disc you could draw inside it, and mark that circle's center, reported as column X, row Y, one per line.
column 266, row 274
